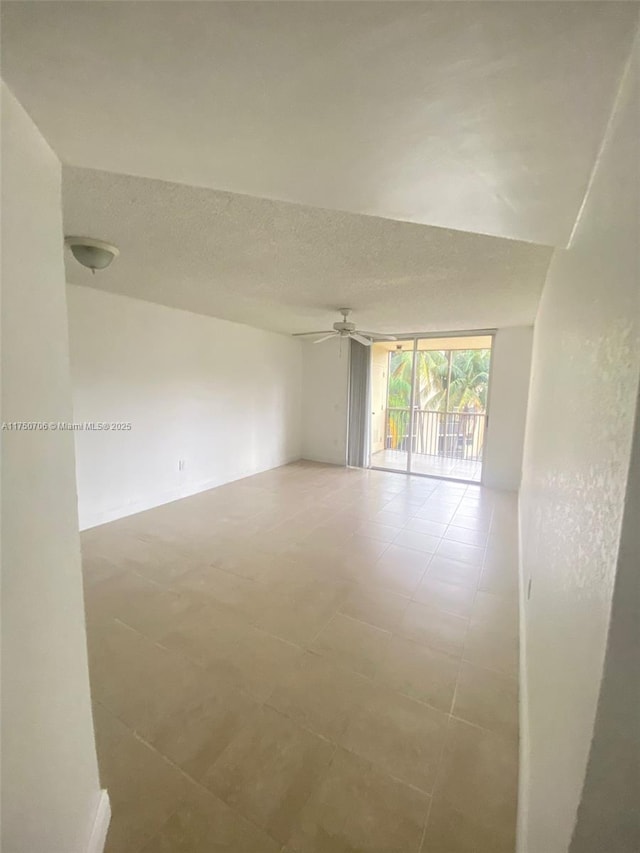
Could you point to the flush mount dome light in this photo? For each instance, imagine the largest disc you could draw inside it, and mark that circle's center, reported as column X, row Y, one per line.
column 94, row 254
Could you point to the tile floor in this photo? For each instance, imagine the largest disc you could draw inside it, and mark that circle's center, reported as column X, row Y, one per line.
column 422, row 463
column 311, row 660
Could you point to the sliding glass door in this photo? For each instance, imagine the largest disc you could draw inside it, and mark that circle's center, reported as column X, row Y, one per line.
column 391, row 391
column 429, row 409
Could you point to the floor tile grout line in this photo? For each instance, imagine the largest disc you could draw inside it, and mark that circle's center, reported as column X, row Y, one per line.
column 391, row 630
column 194, row 781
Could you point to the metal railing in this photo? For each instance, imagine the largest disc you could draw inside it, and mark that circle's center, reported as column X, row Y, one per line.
column 455, row 435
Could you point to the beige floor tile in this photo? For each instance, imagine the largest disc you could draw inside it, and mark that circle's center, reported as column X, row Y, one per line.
column 434, row 628
column 325, row 558
column 336, row 532
column 195, row 735
column 418, row 541
column 424, row 525
column 159, row 560
column 452, row 550
column 149, row 608
column 503, row 554
column 320, row 696
column 269, row 770
column 244, row 560
column 207, row 583
column 138, row 681
column 478, row 777
column 420, row 672
column 491, row 649
column 397, row 556
column 377, row 607
column 451, row 831
column 500, row 580
column 466, row 535
column 297, row 610
column 352, row 644
column 109, row 731
column 472, row 521
column 144, row 789
column 399, row 570
column 360, row 809
column 306, row 555
column 238, row 653
column 454, row 571
column 497, row 612
column 204, row 824
column 450, row 597
column 389, row 519
column 363, row 548
column 402, row 513
column 488, row 699
column 401, row 736
column 95, row 570
column 381, row 532
column 288, row 572
column 435, row 510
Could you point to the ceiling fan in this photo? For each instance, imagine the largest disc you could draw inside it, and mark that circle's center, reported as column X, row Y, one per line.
column 345, row 329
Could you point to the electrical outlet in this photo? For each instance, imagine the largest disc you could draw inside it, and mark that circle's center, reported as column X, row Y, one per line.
column 182, row 464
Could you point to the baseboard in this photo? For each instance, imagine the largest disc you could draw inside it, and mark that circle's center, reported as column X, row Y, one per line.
column 95, row 519
column 98, row 835
column 324, row 460
column 523, row 714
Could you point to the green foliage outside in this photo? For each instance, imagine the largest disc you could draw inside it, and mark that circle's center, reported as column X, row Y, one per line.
column 464, row 372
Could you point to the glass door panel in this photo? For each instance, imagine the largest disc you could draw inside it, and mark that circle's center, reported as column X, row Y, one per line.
column 450, row 407
column 391, row 395
column 429, row 405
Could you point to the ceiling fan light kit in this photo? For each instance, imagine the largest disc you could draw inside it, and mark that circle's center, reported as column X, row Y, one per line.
column 345, row 329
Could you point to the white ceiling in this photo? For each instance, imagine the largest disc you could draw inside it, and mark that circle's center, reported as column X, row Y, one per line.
column 289, row 268
column 479, row 116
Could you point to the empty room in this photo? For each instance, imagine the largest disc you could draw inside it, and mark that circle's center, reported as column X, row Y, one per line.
column 320, row 431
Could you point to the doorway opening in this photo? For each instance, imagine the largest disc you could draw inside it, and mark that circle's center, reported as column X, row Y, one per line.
column 429, row 405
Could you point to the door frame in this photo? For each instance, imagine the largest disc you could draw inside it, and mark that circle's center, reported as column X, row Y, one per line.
column 420, row 336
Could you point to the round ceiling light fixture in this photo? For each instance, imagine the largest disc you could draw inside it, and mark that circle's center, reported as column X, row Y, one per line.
column 94, row 254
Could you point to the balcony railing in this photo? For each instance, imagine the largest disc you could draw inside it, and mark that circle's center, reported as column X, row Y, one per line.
column 455, row 435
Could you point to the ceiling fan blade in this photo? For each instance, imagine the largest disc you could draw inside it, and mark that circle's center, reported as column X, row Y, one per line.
column 358, row 337
column 326, row 337
column 302, row 334
column 377, row 336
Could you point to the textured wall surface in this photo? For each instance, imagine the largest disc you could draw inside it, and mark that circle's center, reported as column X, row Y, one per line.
column 223, row 398
column 585, row 368
column 608, row 817
column 50, row 789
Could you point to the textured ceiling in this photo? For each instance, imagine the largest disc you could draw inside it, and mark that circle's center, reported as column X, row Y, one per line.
column 480, row 116
column 288, row 268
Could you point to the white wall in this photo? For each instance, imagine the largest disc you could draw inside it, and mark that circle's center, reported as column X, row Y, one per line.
column 585, row 368
column 508, row 395
column 50, row 789
column 324, row 401
column 608, row 816
column 221, row 396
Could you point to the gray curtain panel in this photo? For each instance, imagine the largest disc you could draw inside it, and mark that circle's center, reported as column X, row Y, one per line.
column 359, row 405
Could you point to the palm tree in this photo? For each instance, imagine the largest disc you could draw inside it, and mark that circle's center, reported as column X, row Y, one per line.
column 465, row 373
column 432, row 369
column 469, row 380
column 399, row 395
